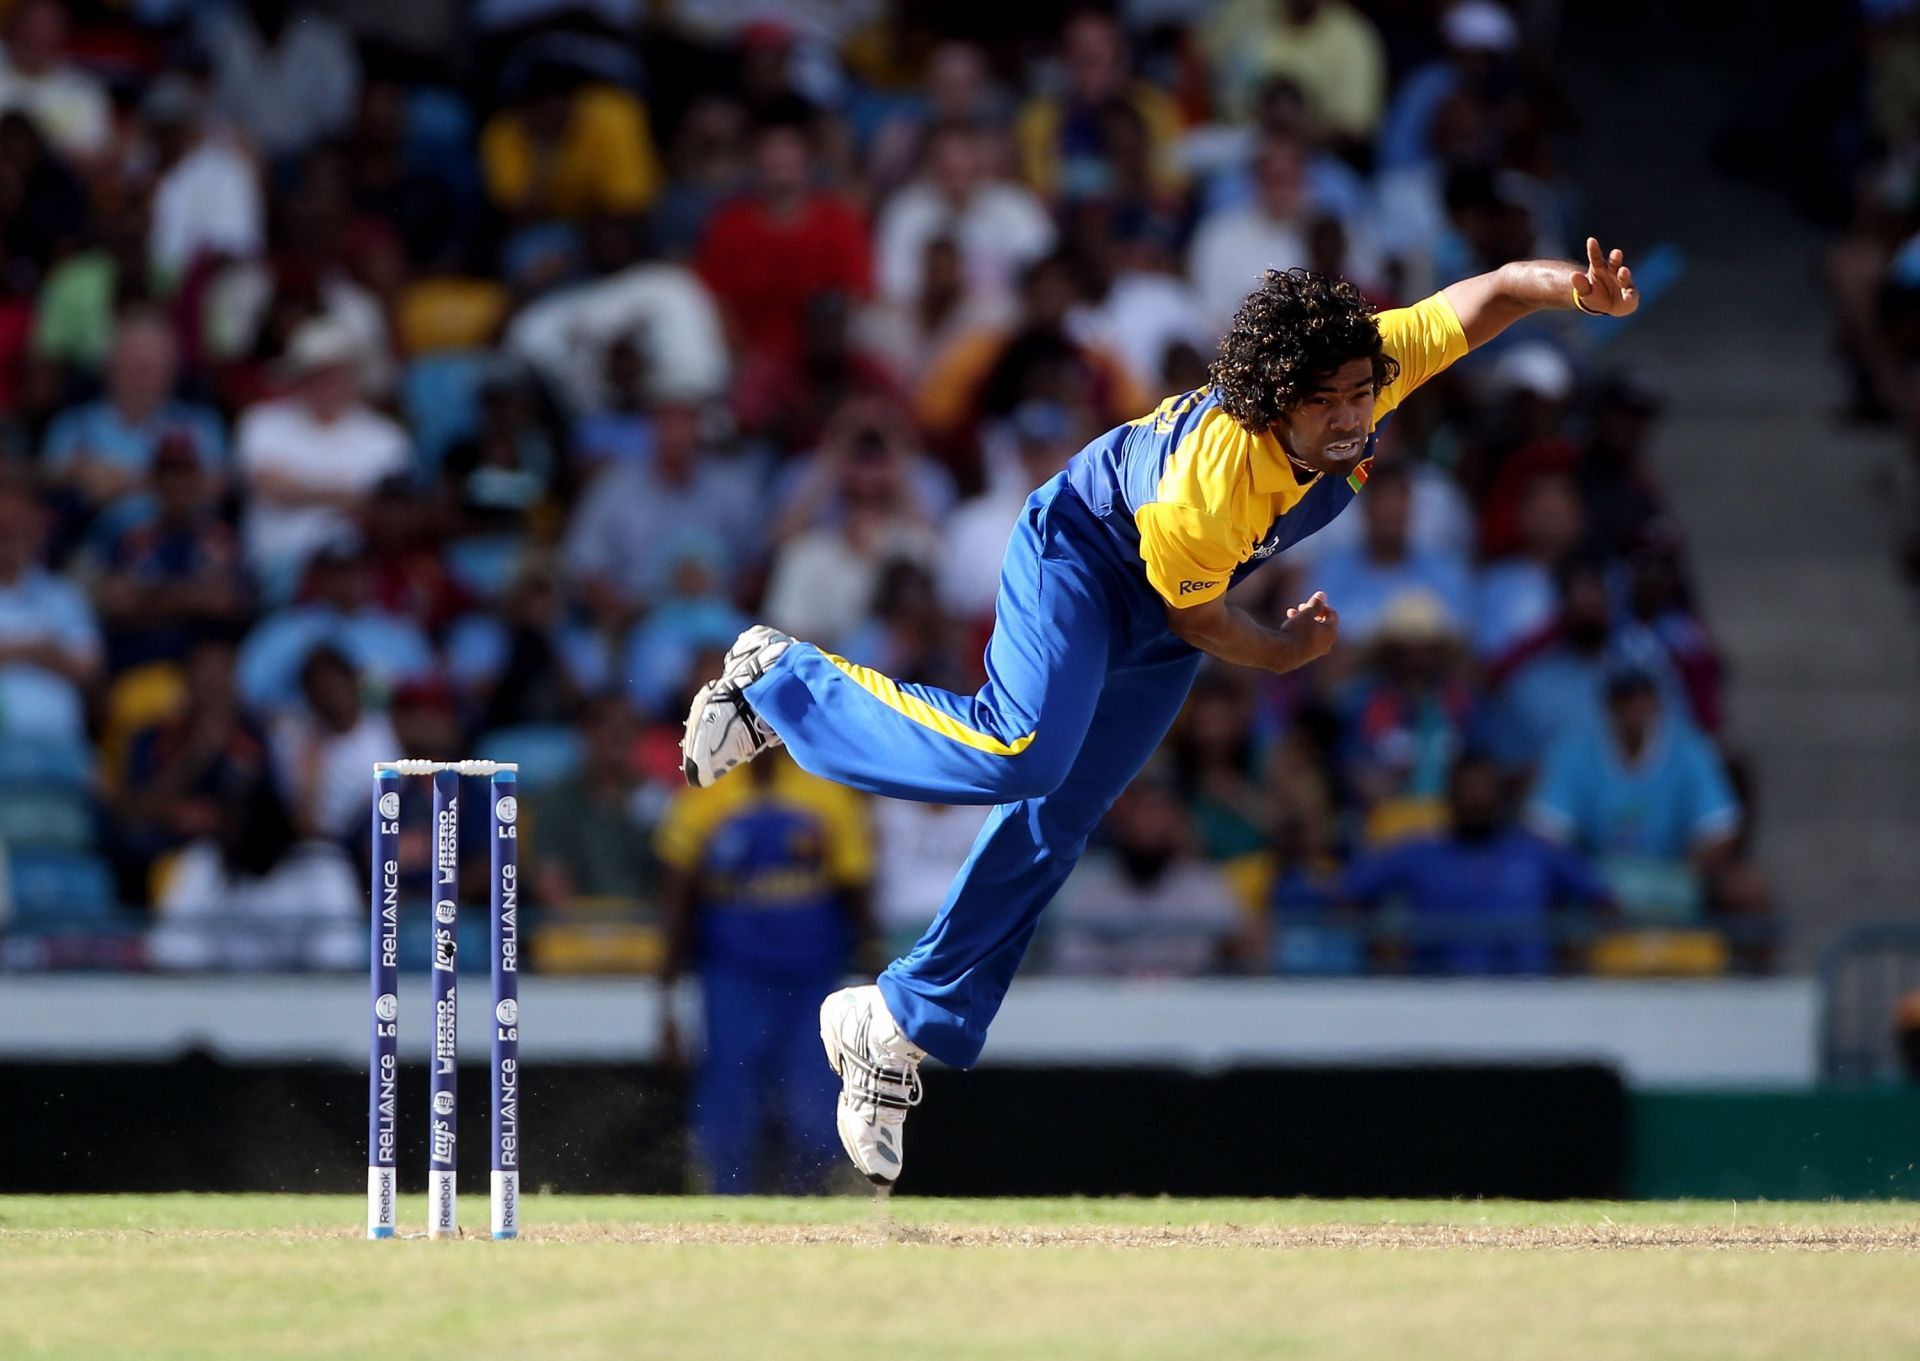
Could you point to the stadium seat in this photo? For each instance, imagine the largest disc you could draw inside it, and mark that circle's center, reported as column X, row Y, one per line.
column 439, row 139
column 547, row 753
column 45, row 819
column 598, row 947
column 44, row 765
column 448, row 313
column 1660, row 954
column 484, row 565
column 1318, row 949
column 439, row 395
column 139, row 699
column 55, row 891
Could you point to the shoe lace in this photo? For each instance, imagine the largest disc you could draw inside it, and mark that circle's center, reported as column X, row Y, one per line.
column 767, row 736
column 885, row 1086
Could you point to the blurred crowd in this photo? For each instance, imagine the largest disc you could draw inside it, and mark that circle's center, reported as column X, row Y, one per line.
column 444, row 380
column 1842, row 138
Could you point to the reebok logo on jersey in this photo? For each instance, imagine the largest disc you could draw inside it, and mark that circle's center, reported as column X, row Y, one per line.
column 1186, row 587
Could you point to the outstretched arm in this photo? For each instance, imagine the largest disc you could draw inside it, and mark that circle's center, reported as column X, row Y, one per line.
column 1489, row 303
column 1229, row 633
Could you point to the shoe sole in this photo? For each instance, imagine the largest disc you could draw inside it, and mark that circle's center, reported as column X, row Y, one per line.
column 688, row 769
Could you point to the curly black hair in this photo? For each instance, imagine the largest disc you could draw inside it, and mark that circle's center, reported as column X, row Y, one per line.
column 1292, row 331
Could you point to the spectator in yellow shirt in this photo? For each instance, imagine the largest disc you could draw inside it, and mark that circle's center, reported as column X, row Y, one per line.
column 1065, row 138
column 569, row 148
column 1326, row 47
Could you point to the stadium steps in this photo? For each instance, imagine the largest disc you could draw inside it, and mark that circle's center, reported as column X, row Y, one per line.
column 1790, row 514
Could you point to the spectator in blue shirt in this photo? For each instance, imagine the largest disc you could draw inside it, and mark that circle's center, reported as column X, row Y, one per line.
column 103, row 450
column 49, row 647
column 630, row 514
column 526, row 661
column 690, row 614
column 1482, row 40
column 1645, row 794
column 1368, row 577
column 338, row 610
column 1554, row 681
column 1480, row 894
column 176, row 573
column 1404, row 718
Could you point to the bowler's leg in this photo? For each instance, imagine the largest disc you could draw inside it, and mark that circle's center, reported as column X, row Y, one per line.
column 1054, row 626
column 945, row 992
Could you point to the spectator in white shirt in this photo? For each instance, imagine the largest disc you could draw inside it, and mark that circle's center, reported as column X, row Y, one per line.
column 1000, row 227
column 1233, row 246
column 918, row 847
column 68, row 106
column 206, row 194
column 824, row 579
column 255, row 897
column 324, row 750
column 662, row 309
column 284, row 72
column 977, row 532
column 1149, row 307
column 1146, row 905
column 308, row 460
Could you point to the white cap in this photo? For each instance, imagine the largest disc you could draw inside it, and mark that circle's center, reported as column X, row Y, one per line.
column 1415, row 616
column 1535, row 367
column 1480, row 26
column 321, row 343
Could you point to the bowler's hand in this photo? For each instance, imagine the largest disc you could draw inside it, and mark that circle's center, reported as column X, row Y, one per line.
column 1314, row 627
column 1606, row 286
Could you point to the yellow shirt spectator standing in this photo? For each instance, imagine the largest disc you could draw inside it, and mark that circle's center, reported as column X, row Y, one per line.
column 1326, row 47
column 1064, row 138
column 570, row 149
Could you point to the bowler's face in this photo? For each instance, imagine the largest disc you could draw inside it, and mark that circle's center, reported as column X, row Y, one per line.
column 1328, row 430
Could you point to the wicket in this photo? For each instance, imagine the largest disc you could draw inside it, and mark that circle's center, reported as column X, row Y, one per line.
column 384, row 1063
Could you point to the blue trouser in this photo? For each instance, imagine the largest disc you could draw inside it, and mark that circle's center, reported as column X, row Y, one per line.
column 1083, row 681
column 761, row 1065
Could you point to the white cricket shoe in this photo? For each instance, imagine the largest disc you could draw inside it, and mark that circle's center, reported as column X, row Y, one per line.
column 879, row 1072
column 752, row 653
column 722, row 729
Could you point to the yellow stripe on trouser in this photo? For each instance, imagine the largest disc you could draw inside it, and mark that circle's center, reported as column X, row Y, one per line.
column 888, row 692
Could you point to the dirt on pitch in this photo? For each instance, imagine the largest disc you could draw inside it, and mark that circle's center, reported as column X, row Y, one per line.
column 882, row 1232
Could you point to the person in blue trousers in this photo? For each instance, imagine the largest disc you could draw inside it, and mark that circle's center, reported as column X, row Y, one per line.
column 766, row 896
column 1112, row 589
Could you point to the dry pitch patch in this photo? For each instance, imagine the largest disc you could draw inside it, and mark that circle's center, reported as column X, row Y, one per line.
column 1755, row 1237
column 1129, row 1224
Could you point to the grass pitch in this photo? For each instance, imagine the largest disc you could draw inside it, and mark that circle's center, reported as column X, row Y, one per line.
column 290, row 1276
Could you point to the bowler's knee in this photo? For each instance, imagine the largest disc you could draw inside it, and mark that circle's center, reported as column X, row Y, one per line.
column 1037, row 771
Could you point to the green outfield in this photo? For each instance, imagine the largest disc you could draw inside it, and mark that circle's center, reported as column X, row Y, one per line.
column 291, row 1276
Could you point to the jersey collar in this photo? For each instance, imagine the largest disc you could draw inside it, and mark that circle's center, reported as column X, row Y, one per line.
column 1273, row 471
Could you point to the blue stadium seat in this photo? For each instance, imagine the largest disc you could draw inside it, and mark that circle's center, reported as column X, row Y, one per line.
column 33, row 763
column 45, row 818
column 484, row 565
column 439, row 395
column 547, row 752
column 1318, row 948
column 57, row 891
column 439, row 140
